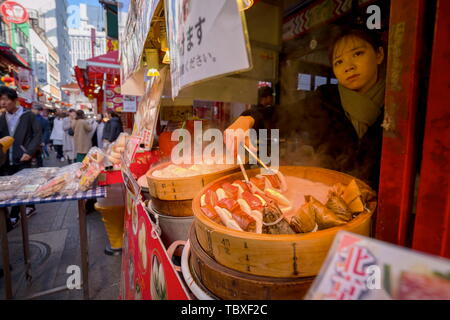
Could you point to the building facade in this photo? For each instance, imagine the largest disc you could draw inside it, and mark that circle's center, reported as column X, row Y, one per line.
column 45, row 61
column 54, row 22
column 90, row 18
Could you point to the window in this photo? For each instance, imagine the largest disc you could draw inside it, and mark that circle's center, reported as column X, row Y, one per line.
column 304, row 82
column 318, row 81
column 334, row 81
column 53, row 80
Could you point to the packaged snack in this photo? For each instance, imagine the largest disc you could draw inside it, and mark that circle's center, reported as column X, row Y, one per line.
column 27, row 191
column 10, row 183
column 89, row 176
column 7, row 195
column 53, row 186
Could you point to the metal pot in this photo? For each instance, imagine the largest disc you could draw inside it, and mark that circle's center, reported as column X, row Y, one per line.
column 172, row 228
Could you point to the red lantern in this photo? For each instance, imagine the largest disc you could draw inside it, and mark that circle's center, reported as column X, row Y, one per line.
column 40, row 94
column 9, row 81
column 25, row 87
column 50, row 98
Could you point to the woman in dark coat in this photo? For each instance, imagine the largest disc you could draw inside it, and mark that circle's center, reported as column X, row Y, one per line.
column 113, row 127
column 342, row 123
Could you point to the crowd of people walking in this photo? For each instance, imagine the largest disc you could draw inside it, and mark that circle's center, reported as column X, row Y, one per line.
column 37, row 132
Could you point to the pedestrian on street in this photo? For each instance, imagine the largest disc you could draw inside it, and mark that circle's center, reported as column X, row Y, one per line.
column 113, row 128
column 68, row 143
column 45, row 125
column 57, row 135
column 97, row 139
column 27, row 132
column 82, row 135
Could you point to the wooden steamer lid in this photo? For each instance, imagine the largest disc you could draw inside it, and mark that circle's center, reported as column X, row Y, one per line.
column 298, row 255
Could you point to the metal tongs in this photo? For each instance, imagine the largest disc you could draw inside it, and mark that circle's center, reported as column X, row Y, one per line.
column 241, row 163
column 258, row 159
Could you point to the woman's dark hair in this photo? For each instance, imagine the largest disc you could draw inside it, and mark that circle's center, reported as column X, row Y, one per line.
column 71, row 110
column 10, row 93
column 113, row 114
column 80, row 114
column 264, row 92
column 372, row 37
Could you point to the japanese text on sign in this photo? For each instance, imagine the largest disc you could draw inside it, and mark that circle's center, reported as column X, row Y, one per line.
column 207, row 37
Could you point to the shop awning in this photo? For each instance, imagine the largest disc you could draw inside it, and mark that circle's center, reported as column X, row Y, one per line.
column 11, row 55
column 106, row 63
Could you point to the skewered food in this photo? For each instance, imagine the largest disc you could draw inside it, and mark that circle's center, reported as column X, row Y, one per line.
column 258, row 206
column 211, row 213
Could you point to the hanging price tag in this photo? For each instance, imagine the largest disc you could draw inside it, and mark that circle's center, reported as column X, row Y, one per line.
column 128, row 179
column 131, row 147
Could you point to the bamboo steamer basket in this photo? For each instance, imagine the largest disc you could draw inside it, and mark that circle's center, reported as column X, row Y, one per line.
column 299, row 255
column 174, row 208
column 229, row 284
column 181, row 188
column 172, row 196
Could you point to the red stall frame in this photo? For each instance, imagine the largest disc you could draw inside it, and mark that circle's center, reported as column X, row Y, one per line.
column 398, row 160
column 432, row 224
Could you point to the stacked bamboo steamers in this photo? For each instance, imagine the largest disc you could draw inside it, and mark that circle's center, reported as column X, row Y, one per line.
column 172, row 187
column 277, row 252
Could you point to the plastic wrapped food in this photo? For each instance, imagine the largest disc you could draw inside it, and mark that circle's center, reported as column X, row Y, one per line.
column 53, row 186
column 89, row 176
column 10, row 183
column 7, row 195
column 96, row 157
column 27, row 191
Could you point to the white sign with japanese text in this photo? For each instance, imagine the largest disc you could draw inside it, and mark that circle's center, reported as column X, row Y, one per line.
column 207, row 39
column 129, row 103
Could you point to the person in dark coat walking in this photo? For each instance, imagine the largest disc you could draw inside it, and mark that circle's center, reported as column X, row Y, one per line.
column 45, row 125
column 113, row 128
column 27, row 132
column 341, row 123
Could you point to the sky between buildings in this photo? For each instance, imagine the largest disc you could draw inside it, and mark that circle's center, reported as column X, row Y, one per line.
column 89, row 2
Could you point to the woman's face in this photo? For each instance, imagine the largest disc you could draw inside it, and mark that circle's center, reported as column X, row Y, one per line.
column 355, row 63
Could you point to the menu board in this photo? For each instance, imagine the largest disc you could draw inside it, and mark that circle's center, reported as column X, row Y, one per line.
column 206, row 39
column 361, row 268
column 113, row 98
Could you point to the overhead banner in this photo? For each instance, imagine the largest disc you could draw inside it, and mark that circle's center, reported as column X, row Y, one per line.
column 25, row 84
column 207, row 39
column 41, row 69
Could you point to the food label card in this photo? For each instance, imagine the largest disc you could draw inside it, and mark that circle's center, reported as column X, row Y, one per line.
column 361, row 268
column 129, row 181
